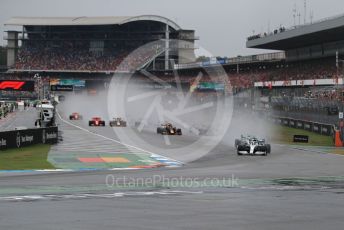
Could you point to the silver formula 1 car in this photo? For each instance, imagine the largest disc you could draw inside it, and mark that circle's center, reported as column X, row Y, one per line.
column 252, row 146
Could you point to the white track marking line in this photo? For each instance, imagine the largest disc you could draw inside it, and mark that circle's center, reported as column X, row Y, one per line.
column 305, row 149
column 96, row 195
column 113, row 140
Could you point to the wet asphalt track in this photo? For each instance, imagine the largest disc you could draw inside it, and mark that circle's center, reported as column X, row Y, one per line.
column 310, row 195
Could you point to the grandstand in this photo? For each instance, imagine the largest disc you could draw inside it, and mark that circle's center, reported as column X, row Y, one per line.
column 304, row 76
column 3, row 61
column 310, row 41
column 94, row 44
column 308, row 55
column 308, row 82
column 93, row 48
column 312, row 52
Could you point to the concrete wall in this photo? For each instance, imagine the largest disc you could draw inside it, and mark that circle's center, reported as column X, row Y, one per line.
column 12, row 47
column 186, row 47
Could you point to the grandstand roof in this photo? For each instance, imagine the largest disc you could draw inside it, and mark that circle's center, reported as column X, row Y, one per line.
column 86, row 21
column 327, row 30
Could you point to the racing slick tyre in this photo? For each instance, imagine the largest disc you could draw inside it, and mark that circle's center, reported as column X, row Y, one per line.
column 236, row 143
column 90, row 123
column 102, row 123
column 179, row 132
column 239, row 153
column 71, row 118
column 268, row 148
column 38, row 124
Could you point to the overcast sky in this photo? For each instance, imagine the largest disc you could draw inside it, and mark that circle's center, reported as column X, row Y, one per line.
column 222, row 25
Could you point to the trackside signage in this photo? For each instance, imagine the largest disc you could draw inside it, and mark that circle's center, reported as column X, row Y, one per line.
column 291, row 83
column 301, row 139
column 62, row 88
column 14, row 85
column 22, row 138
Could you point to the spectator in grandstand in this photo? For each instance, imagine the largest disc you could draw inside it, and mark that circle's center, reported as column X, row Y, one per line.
column 65, row 56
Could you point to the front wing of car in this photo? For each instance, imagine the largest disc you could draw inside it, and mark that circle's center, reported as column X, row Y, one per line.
column 246, row 149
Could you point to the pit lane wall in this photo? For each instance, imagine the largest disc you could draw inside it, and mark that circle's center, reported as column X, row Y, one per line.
column 27, row 137
column 320, row 128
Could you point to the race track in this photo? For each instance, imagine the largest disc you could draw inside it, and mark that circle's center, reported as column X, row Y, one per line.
column 284, row 190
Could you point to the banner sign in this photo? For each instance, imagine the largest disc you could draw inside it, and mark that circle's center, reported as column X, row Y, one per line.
column 213, row 61
column 300, row 83
column 210, row 86
column 61, row 88
column 301, row 139
column 14, row 85
column 68, row 82
column 26, row 137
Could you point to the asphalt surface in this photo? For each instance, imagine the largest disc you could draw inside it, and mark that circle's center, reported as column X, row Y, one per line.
column 19, row 118
column 289, row 189
column 220, row 210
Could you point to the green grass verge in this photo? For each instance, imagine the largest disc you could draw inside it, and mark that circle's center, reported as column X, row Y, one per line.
column 284, row 135
column 26, row 158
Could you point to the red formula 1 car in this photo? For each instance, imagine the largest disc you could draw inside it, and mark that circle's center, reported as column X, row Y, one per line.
column 96, row 121
column 75, row 116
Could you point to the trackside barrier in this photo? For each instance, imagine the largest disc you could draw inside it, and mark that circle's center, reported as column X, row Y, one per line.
column 27, row 137
column 320, row 128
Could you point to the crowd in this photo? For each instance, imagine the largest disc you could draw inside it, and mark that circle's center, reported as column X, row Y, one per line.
column 39, row 57
column 287, row 72
column 68, row 56
column 18, row 95
column 6, row 108
column 246, row 76
column 78, row 57
column 326, row 94
column 281, row 29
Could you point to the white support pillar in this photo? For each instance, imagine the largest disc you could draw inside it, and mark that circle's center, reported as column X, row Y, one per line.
column 12, row 47
column 167, row 47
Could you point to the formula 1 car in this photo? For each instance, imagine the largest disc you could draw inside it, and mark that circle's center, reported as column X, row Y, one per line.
column 96, row 121
column 252, row 145
column 168, row 129
column 75, row 116
column 118, row 122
